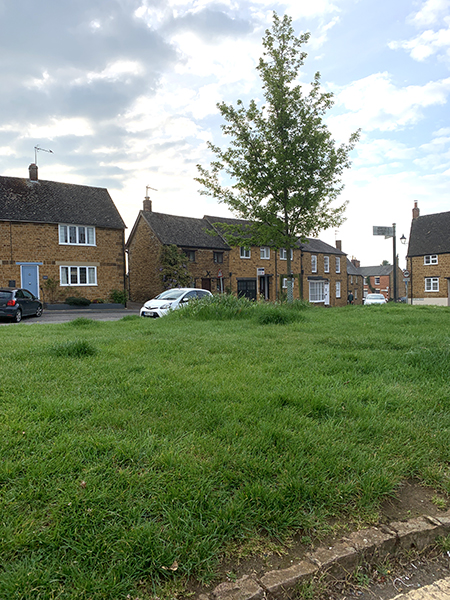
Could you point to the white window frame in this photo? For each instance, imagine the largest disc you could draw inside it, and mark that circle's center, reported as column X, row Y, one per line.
column 76, row 235
column 245, row 252
column 430, row 259
column 338, row 289
column 316, row 291
column 356, row 294
column 313, row 263
column 326, row 264
column 338, row 264
column 376, row 280
column 432, row 284
column 72, row 276
column 283, row 254
column 264, row 253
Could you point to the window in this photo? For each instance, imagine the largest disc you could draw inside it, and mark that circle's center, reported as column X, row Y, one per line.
column 431, row 259
column 431, row 284
column 376, row 280
column 326, row 264
column 190, row 255
column 316, row 291
column 78, row 275
column 313, row 263
column 77, row 234
column 283, row 254
column 356, row 294
column 351, row 279
column 218, row 257
column 338, row 264
column 245, row 252
column 264, row 253
column 338, row 289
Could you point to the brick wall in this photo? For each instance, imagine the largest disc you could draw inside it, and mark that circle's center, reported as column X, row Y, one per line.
column 34, row 242
column 419, row 272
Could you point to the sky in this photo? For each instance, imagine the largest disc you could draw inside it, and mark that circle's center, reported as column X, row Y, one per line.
column 124, row 94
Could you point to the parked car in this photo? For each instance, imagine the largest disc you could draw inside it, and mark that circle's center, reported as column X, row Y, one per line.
column 374, row 299
column 171, row 300
column 18, row 303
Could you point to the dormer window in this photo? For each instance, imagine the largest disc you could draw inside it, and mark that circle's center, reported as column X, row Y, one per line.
column 77, row 235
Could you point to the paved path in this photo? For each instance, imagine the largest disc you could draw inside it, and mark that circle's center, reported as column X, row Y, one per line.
column 439, row 590
column 63, row 316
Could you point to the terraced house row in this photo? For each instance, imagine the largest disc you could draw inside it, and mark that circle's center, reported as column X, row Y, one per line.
column 59, row 239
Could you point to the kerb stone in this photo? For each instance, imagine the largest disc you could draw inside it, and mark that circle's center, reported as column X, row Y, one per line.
column 372, row 541
column 339, row 559
column 245, row 588
column 276, row 582
column 415, row 533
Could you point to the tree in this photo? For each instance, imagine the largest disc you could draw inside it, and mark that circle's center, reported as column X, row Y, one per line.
column 282, row 170
column 173, row 269
column 385, row 262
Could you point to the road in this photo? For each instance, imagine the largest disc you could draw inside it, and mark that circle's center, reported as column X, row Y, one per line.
column 63, row 316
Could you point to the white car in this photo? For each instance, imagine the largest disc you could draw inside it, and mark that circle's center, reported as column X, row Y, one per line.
column 171, row 300
column 374, row 299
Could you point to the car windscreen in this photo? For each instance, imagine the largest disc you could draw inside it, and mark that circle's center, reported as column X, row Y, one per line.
column 170, row 295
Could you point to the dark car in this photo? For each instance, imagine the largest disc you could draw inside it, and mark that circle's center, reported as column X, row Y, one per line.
column 17, row 303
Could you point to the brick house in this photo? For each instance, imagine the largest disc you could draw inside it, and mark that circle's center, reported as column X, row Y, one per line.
column 380, row 279
column 320, row 270
column 207, row 252
column 428, row 258
column 68, row 234
column 355, row 281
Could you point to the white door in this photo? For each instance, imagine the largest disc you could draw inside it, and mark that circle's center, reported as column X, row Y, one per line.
column 326, row 293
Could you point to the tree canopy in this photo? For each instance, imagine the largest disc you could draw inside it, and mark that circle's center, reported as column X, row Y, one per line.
column 282, row 170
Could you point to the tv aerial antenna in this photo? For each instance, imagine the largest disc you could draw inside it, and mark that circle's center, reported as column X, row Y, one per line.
column 147, row 187
column 39, row 149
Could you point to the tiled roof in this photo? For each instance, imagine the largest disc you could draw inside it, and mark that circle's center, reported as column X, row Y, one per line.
column 184, row 231
column 52, row 202
column 351, row 269
column 430, row 234
column 376, row 271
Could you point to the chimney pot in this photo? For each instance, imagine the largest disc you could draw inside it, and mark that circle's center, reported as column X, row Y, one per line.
column 33, row 170
column 416, row 211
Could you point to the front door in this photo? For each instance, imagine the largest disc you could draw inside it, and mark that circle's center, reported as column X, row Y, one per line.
column 206, row 284
column 326, row 293
column 30, row 277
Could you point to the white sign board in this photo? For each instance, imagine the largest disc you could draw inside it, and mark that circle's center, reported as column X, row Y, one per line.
column 386, row 231
column 260, row 271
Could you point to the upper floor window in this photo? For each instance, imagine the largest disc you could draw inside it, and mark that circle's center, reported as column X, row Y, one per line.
column 326, row 264
column 431, row 284
column 264, row 252
column 351, row 278
column 313, row 263
column 431, row 259
column 190, row 255
column 77, row 235
column 376, row 280
column 283, row 254
column 338, row 264
column 218, row 257
column 245, row 252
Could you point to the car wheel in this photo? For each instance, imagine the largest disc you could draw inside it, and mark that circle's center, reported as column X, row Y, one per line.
column 18, row 316
column 39, row 311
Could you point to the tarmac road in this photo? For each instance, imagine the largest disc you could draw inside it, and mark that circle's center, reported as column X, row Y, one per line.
column 63, row 316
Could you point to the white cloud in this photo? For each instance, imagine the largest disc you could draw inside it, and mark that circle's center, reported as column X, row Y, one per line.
column 59, row 127
column 430, row 12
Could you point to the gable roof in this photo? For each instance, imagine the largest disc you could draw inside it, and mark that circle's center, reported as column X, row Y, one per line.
column 352, row 270
column 30, row 201
column 186, row 232
column 311, row 244
column 430, row 234
column 376, row 271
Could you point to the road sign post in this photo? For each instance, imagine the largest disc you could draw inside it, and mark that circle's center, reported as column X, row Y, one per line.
column 389, row 232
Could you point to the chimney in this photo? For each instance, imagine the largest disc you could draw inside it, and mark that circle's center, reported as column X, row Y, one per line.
column 33, row 170
column 355, row 263
column 147, row 204
column 415, row 211
column 339, row 245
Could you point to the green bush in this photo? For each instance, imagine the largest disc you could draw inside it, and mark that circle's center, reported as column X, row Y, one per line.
column 75, row 301
column 118, row 296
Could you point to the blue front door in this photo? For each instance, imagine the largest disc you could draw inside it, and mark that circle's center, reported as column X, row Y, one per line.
column 29, row 275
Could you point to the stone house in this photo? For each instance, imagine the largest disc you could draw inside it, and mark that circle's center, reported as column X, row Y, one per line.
column 206, row 251
column 379, row 279
column 428, row 258
column 320, row 270
column 65, row 234
column 355, row 281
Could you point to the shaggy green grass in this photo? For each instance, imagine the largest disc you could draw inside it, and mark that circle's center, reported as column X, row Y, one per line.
column 136, row 453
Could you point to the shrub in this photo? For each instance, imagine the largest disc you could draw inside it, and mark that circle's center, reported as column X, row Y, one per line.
column 77, row 301
column 118, row 296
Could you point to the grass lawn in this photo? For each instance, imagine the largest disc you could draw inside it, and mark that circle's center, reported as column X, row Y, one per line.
column 135, row 453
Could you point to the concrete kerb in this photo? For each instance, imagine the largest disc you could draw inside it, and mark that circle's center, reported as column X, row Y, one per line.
column 372, row 544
